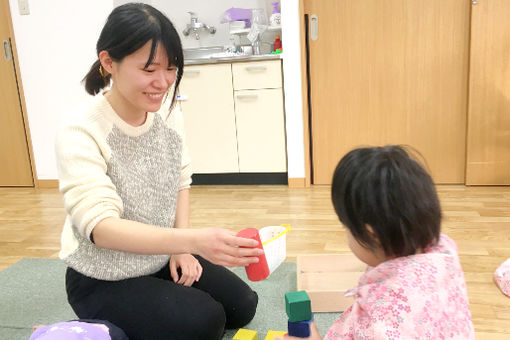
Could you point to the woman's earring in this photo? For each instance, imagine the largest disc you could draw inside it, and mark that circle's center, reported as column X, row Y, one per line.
column 102, row 71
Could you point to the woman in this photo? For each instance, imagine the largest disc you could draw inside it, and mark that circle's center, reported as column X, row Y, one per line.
column 125, row 175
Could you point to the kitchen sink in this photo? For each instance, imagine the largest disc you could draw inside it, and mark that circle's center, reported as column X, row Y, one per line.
column 202, row 52
column 216, row 54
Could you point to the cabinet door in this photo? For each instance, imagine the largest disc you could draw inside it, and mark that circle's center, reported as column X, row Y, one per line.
column 260, row 130
column 208, row 109
column 257, row 75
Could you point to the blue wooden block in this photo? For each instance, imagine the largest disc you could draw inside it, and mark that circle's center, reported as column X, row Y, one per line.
column 300, row 329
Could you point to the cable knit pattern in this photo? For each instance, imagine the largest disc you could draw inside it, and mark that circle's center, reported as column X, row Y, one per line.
column 421, row 296
column 109, row 168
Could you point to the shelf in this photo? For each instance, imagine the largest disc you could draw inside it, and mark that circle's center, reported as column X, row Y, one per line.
column 247, row 30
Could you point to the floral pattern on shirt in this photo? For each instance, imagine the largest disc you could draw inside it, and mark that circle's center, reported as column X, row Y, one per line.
column 420, row 296
column 502, row 277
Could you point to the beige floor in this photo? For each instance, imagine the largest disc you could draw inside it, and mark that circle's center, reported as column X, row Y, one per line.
column 478, row 218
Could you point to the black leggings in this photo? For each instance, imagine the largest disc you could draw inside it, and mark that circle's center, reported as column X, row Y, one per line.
column 154, row 307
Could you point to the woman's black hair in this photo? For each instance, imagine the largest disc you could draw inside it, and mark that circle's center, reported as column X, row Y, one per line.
column 127, row 29
column 386, row 189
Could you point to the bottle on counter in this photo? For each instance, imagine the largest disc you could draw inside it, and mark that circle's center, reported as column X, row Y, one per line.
column 277, row 45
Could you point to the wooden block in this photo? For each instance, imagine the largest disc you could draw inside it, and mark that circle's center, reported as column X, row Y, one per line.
column 271, row 334
column 300, row 329
column 245, row 334
column 260, row 270
column 298, row 306
column 327, row 277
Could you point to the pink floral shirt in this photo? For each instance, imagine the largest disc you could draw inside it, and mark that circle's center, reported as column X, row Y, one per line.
column 413, row 297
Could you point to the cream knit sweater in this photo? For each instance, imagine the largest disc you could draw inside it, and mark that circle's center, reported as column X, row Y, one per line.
column 108, row 168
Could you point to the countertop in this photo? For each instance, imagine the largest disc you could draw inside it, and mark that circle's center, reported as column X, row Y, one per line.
column 232, row 59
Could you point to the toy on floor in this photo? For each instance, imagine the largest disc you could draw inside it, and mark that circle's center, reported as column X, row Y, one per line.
column 328, row 279
column 245, row 334
column 271, row 334
column 81, row 329
column 260, row 270
column 299, row 310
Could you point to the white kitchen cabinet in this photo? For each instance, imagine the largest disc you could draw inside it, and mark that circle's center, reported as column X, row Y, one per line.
column 260, row 130
column 234, row 117
column 257, row 75
column 209, row 119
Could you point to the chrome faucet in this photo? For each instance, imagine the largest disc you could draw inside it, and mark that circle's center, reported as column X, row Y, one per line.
column 195, row 27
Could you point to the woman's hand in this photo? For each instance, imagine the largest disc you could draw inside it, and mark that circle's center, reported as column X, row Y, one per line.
column 191, row 270
column 314, row 335
column 223, row 247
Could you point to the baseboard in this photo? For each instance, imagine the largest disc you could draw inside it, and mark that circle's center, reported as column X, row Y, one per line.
column 204, row 179
column 47, row 183
column 237, row 178
column 297, row 182
column 240, row 178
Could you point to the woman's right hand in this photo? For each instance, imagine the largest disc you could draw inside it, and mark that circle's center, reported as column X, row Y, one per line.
column 223, row 247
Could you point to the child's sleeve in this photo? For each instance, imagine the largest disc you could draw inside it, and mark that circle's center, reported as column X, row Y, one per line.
column 342, row 327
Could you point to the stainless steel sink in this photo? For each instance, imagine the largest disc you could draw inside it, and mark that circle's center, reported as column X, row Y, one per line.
column 217, row 54
column 201, row 52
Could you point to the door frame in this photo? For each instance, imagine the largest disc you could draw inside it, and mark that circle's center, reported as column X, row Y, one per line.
column 6, row 7
column 307, row 147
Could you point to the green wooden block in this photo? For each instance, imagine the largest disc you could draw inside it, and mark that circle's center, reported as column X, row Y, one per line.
column 298, row 306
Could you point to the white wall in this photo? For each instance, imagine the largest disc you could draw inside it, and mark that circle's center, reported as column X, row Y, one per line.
column 209, row 15
column 56, row 47
column 177, row 11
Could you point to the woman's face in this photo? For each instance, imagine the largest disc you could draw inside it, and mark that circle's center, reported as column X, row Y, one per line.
column 143, row 89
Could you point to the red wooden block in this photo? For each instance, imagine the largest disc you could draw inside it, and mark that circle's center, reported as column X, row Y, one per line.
column 260, row 270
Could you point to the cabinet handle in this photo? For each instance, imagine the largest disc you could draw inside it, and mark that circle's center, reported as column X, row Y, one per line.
column 247, row 96
column 7, row 50
column 314, row 27
column 256, row 68
column 192, row 72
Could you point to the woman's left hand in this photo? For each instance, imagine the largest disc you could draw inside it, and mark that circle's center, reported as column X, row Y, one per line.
column 191, row 270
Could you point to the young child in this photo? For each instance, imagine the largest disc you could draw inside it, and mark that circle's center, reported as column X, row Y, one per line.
column 414, row 287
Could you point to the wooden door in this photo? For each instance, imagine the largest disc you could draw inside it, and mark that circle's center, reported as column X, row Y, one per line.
column 15, row 166
column 390, row 72
column 488, row 149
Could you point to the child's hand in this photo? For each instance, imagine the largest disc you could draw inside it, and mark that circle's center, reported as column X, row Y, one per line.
column 314, row 335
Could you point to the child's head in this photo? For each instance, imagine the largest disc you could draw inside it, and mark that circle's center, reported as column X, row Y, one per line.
column 386, row 200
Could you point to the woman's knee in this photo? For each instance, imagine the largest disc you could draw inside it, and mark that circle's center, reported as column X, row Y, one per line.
column 200, row 320
column 244, row 311
column 210, row 321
